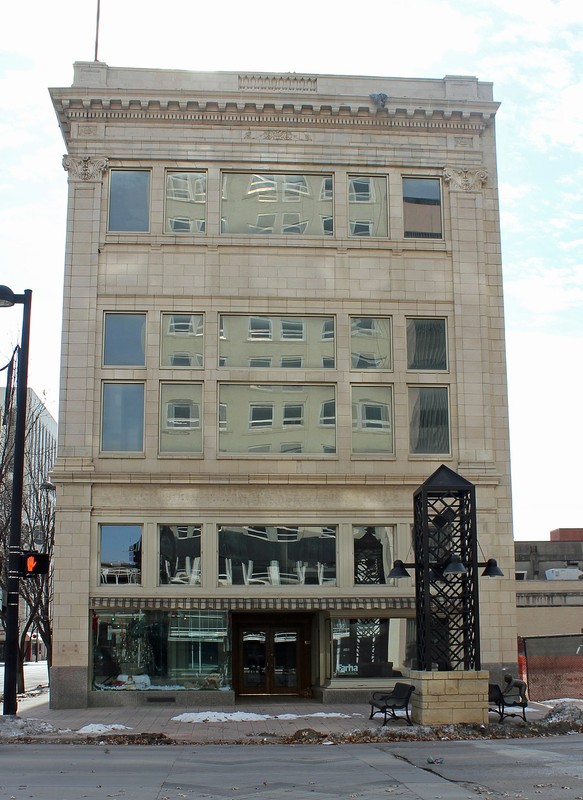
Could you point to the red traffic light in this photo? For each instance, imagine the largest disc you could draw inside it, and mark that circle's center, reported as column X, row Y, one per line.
column 34, row 563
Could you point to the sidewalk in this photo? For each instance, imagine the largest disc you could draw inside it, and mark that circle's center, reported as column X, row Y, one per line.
column 255, row 719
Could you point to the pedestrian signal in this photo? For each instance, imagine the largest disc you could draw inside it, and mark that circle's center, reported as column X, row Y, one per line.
column 34, row 563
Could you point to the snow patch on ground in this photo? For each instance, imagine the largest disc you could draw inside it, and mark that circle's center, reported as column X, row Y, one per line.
column 99, row 728
column 245, row 716
column 15, row 726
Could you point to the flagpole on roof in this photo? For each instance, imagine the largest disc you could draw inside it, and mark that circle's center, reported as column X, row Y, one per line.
column 97, row 29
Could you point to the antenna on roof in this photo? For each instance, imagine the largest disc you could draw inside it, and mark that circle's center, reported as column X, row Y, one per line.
column 97, row 29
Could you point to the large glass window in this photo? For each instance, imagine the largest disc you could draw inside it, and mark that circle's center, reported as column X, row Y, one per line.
column 372, row 419
column 271, row 555
column 179, row 547
column 370, row 647
column 257, row 418
column 182, row 340
column 429, row 420
column 121, row 554
column 161, row 650
column 267, row 204
column 122, row 417
column 422, row 208
column 373, row 547
column 426, row 344
column 290, row 342
column 367, row 206
column 185, row 202
column 129, row 200
column 180, row 418
column 370, row 343
column 124, row 340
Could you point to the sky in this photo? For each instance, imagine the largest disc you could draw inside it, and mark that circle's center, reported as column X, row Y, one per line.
column 532, row 51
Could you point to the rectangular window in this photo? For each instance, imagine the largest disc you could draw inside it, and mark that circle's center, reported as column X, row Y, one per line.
column 185, row 202
column 122, row 417
column 271, row 204
column 372, row 419
column 370, row 647
column 429, row 420
column 278, row 555
column 180, row 418
column 368, row 206
column 261, row 416
column 370, row 343
column 422, row 208
column 160, row 650
column 129, row 201
column 293, row 414
column 182, row 340
column 124, row 340
column 373, row 548
column 426, row 344
column 179, row 549
column 257, row 341
column 121, row 554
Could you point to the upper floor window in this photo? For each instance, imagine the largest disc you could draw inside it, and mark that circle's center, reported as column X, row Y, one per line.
column 429, row 420
column 370, row 343
column 124, row 340
column 129, row 201
column 367, row 206
column 372, row 419
column 426, row 344
column 180, row 418
column 422, row 208
column 120, row 554
column 181, row 343
column 271, row 204
column 122, row 417
column 185, row 202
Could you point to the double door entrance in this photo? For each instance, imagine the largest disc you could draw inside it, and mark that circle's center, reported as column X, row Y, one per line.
column 271, row 657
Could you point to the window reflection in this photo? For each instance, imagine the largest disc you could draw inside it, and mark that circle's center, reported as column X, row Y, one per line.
column 426, row 344
column 370, row 343
column 160, row 650
column 367, row 206
column 124, row 340
column 179, row 547
column 181, row 341
column 258, row 418
column 372, row 554
column 185, row 202
column 121, row 554
column 269, row 555
column 369, row 647
column 289, row 342
column 372, row 419
column 422, row 208
column 429, row 419
column 298, row 204
column 180, row 418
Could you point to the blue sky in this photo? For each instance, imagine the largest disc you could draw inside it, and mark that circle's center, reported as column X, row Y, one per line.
column 531, row 51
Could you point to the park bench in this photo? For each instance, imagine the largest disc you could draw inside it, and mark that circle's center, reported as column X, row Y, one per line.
column 499, row 702
column 388, row 703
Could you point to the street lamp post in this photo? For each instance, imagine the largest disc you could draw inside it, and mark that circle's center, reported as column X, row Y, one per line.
column 7, row 299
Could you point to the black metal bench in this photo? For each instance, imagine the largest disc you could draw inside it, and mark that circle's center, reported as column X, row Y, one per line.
column 501, row 702
column 388, row 703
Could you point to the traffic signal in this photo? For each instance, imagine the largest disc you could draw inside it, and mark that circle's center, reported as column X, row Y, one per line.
column 34, row 563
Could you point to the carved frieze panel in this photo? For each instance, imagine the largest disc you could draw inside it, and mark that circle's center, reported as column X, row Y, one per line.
column 465, row 179
column 85, row 168
column 278, row 135
column 278, row 83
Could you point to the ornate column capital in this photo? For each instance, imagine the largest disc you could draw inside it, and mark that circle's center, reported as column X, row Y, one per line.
column 85, row 168
column 465, row 179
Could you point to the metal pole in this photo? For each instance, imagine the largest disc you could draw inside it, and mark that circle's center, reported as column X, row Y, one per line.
column 14, row 543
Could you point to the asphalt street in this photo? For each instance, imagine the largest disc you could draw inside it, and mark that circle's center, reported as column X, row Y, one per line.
column 525, row 769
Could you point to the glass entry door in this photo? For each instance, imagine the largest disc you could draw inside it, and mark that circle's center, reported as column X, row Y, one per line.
column 270, row 658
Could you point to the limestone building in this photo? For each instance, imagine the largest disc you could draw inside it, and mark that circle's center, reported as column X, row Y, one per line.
column 283, row 312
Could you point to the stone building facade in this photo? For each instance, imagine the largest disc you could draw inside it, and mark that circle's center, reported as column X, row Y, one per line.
column 283, row 312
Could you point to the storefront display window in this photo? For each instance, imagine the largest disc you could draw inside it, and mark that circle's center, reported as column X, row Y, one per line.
column 161, row 650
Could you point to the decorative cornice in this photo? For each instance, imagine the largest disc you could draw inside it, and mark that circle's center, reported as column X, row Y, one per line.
column 278, row 83
column 85, row 168
column 465, row 179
